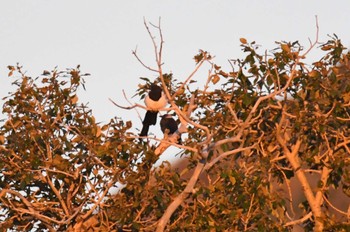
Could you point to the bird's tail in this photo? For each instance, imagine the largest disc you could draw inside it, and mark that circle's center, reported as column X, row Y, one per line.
column 144, row 130
column 150, row 119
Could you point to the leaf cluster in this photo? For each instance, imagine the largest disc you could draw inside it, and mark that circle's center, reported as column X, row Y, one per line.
column 268, row 121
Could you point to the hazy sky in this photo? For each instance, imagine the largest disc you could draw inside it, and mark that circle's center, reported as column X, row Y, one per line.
column 100, row 35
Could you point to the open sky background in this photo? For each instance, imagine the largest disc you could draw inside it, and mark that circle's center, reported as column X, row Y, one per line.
column 100, row 36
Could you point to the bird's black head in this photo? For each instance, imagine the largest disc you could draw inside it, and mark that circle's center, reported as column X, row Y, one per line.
column 155, row 88
column 155, row 92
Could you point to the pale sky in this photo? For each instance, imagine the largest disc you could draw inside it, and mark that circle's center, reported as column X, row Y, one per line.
column 100, row 36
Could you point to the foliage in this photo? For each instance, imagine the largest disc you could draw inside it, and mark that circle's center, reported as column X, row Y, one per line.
column 249, row 132
column 55, row 159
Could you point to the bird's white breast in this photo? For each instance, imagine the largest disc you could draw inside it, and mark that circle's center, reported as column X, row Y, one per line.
column 156, row 105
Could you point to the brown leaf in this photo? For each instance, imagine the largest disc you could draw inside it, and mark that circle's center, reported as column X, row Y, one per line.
column 215, row 79
column 243, row 40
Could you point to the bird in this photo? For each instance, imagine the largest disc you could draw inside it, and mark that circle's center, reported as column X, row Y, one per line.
column 168, row 125
column 155, row 100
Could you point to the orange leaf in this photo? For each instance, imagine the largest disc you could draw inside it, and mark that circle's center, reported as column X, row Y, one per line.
column 243, row 40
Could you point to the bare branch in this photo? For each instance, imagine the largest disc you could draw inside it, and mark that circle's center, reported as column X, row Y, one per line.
column 227, row 153
column 58, row 195
column 293, row 159
column 128, row 107
column 142, row 63
column 101, row 197
column 189, row 77
column 333, row 207
column 299, row 221
column 154, row 43
column 324, row 177
column 34, row 213
column 287, row 181
column 180, row 198
column 159, row 28
column 246, row 220
column 166, row 142
column 312, row 45
column 233, row 113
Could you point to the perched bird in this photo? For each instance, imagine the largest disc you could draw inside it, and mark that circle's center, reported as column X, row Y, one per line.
column 169, row 125
column 155, row 100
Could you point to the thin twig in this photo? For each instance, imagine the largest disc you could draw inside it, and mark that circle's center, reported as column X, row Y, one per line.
column 189, row 78
column 312, row 45
column 225, row 154
column 287, row 181
column 142, row 63
column 333, row 207
column 299, row 221
column 246, row 220
column 128, row 107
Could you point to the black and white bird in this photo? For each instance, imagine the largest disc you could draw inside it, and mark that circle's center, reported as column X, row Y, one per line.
column 169, row 125
column 155, row 100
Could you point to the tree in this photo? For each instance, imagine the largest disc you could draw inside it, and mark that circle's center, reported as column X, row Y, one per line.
column 247, row 134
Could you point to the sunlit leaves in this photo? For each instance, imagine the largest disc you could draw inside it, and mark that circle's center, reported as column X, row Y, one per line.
column 202, row 55
column 198, row 58
column 314, row 74
column 74, row 99
column 243, row 40
column 215, row 79
column 49, row 139
column 285, row 48
column 12, row 69
column 52, row 148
